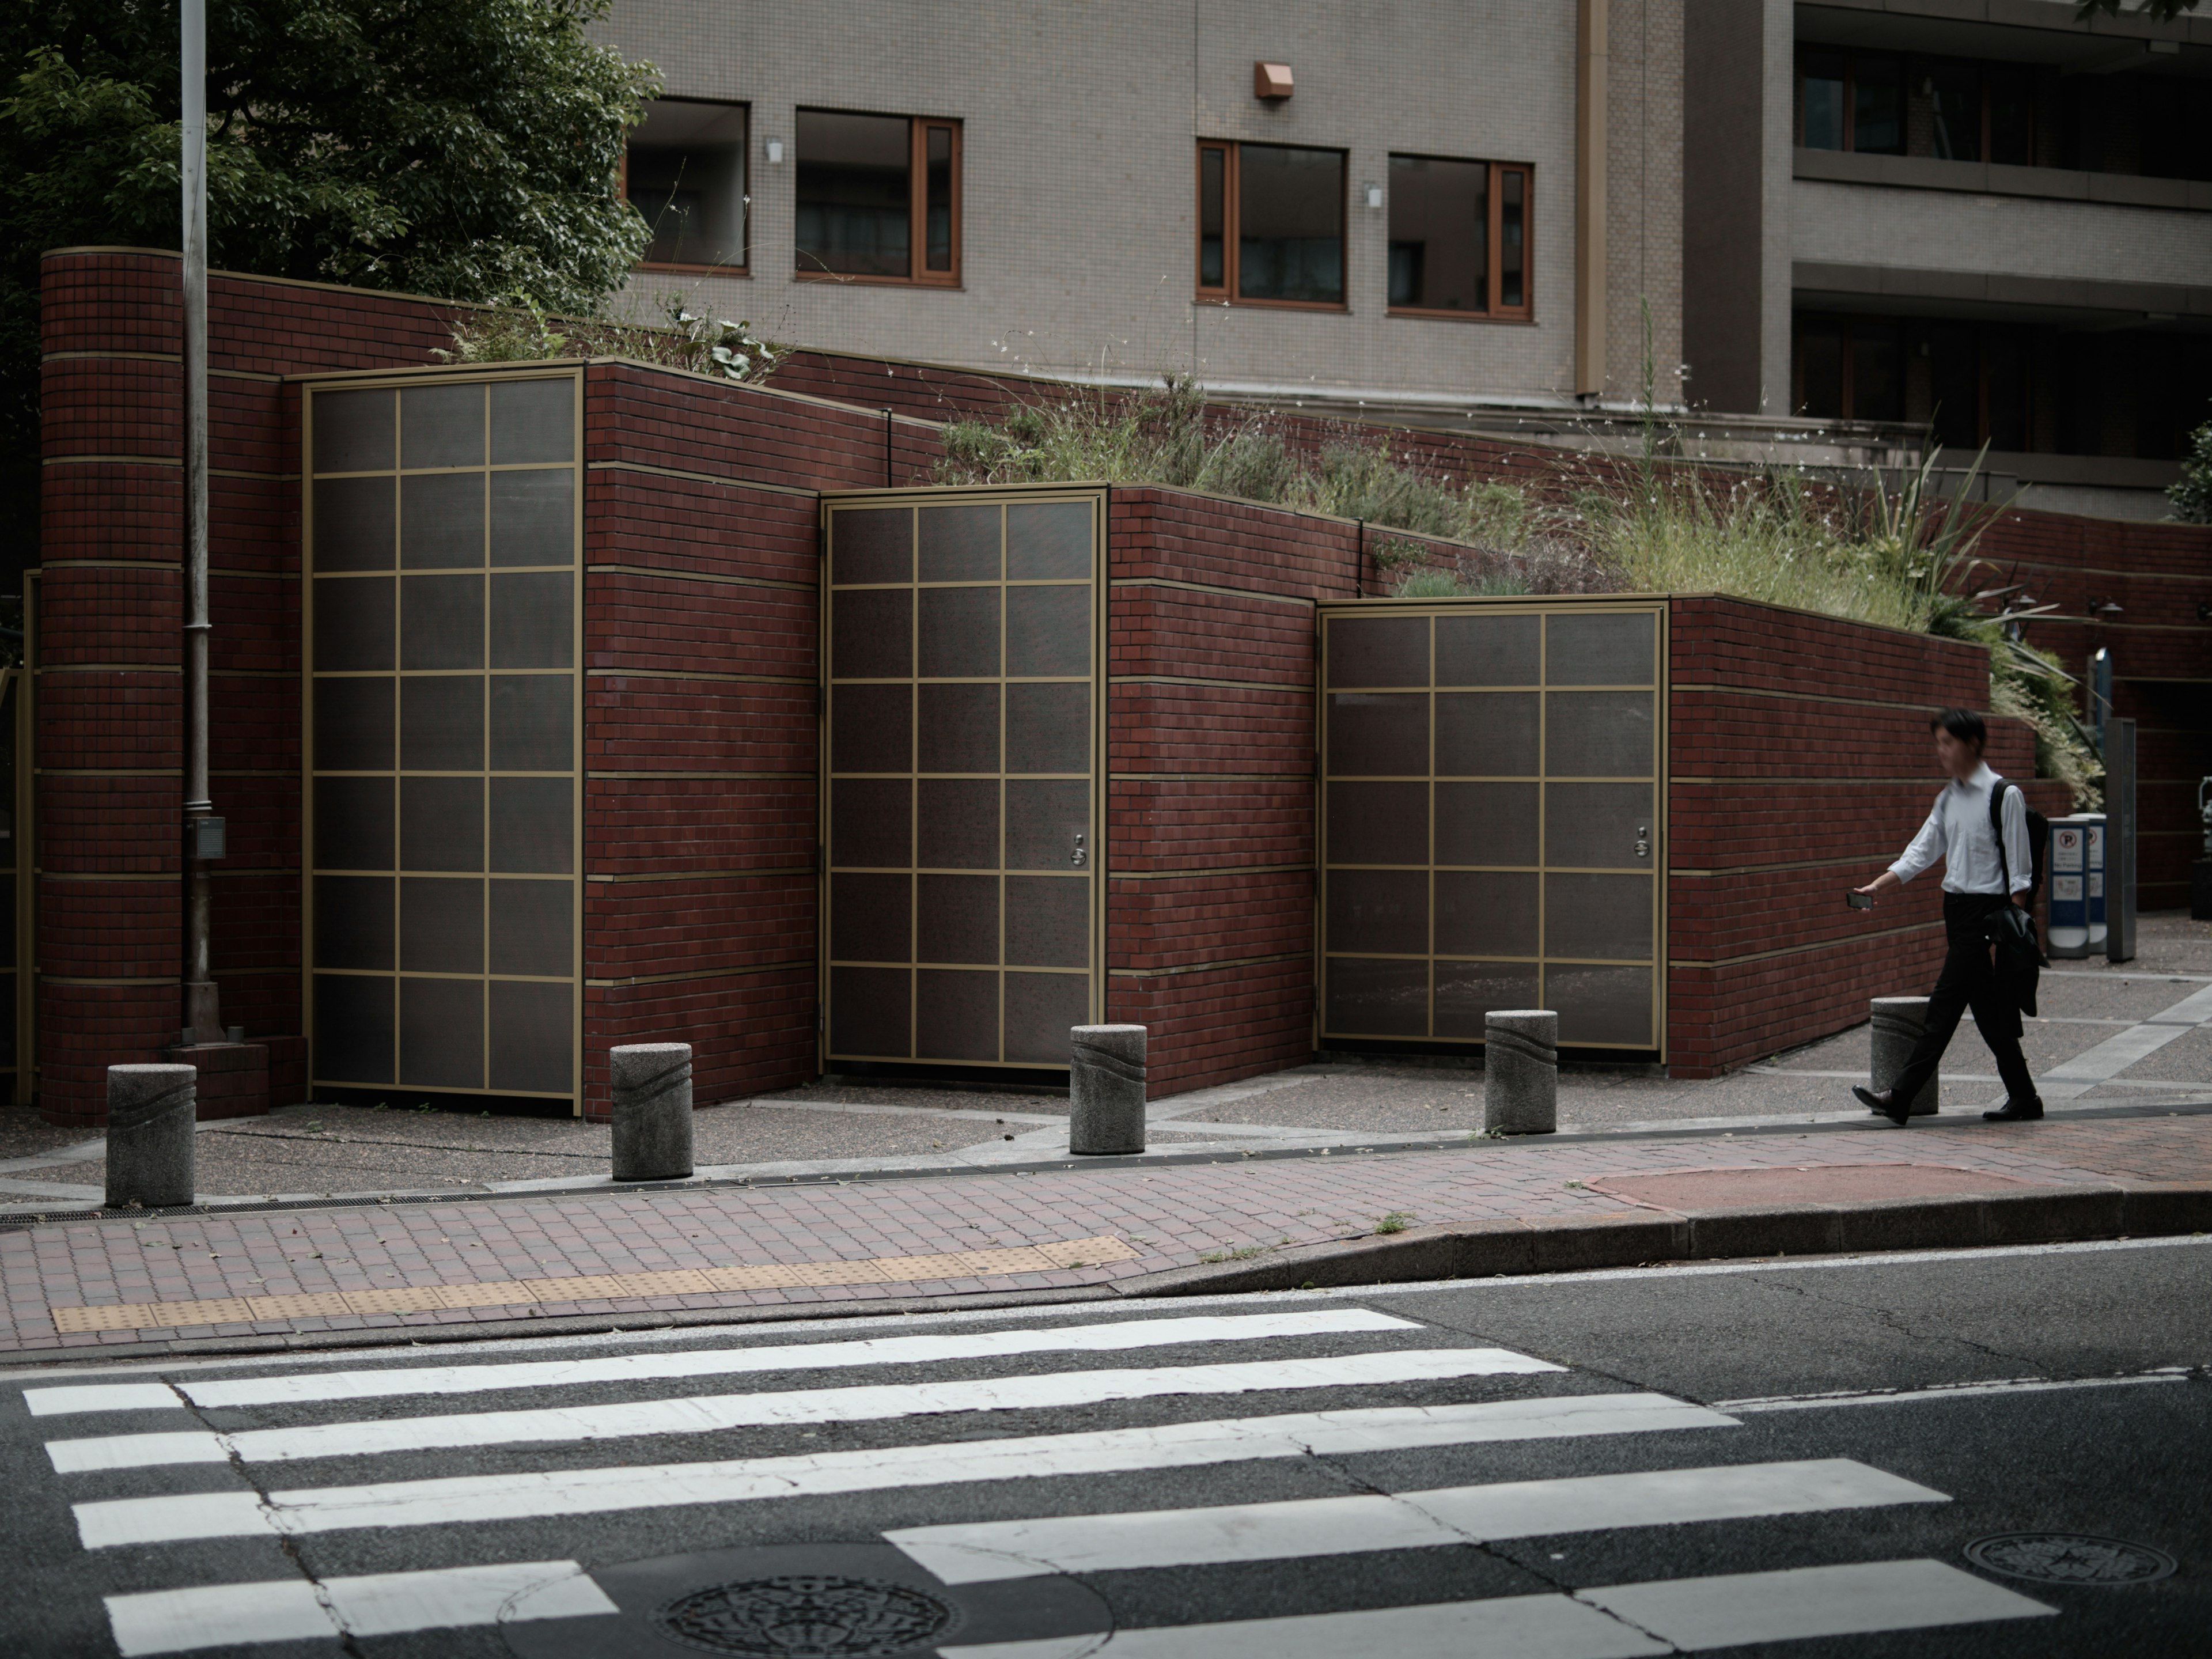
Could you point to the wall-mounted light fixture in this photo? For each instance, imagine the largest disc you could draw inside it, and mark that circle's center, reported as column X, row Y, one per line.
column 775, row 152
column 1270, row 80
column 1373, row 193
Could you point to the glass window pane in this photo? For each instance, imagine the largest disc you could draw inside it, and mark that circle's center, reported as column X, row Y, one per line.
column 686, row 174
column 1487, row 734
column 1599, row 649
column 1212, row 244
column 1485, row 913
column 353, row 921
column 533, row 825
column 1819, row 351
column 1378, row 734
column 355, row 519
column 1048, row 630
column 440, row 925
column 353, row 625
column 938, row 205
column 2012, row 118
column 871, row 544
column 1486, row 822
column 956, row 918
column 871, row 823
column 354, row 431
column 956, row 1015
column 533, row 723
column 1490, row 650
column 353, row 824
column 532, row 1036
column 1877, row 371
column 1042, row 1009
column 1370, row 998
column 353, row 726
column 1820, row 82
column 957, row 633
column 1380, row 910
column 1956, row 108
column 533, row 421
column 1877, row 105
column 1290, row 235
column 1512, row 237
column 2006, row 371
column 1596, row 825
column 353, row 1028
column 869, row 1016
column 1048, row 728
column 441, row 723
column 441, row 426
column 1439, row 234
column 1466, row 991
column 534, row 620
column 442, row 1033
column 1599, row 734
column 533, row 927
column 959, row 729
column 959, row 824
column 1048, row 921
column 1377, row 651
column 1043, row 821
column 871, row 918
column 533, row 517
column 871, row 635
column 440, row 823
column 441, row 622
column 854, row 194
column 871, row 728
column 1587, row 915
column 1378, row 823
column 960, row 544
column 1954, row 384
column 1048, row 541
column 1609, row 1006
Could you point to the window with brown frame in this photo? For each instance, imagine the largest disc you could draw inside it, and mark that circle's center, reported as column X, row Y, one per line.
column 684, row 170
column 1270, row 225
column 1852, row 100
column 879, row 198
column 1459, row 238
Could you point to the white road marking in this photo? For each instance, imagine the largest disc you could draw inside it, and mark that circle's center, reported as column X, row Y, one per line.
column 380, row 1604
column 1799, row 1403
column 711, row 1413
column 977, row 1552
column 1115, row 1337
column 2105, row 1062
column 544, row 1493
column 1801, row 1603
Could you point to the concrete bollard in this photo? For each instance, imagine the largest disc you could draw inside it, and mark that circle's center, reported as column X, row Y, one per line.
column 1106, row 1090
column 651, row 1110
column 1898, row 1022
column 1521, row 1071
column 150, row 1113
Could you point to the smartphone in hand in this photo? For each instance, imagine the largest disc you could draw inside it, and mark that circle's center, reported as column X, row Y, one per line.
column 1859, row 901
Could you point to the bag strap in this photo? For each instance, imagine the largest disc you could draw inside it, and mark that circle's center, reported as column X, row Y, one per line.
column 1997, row 831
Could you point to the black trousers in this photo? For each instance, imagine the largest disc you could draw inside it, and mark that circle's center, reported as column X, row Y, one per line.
column 1969, row 981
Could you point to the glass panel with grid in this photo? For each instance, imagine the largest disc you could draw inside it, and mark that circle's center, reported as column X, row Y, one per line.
column 1490, row 791
column 442, row 736
column 962, row 656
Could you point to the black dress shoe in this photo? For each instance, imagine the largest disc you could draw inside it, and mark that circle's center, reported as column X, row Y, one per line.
column 2016, row 1111
column 1899, row 1112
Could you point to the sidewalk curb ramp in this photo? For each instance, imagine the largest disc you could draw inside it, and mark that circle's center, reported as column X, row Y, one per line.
column 1645, row 1236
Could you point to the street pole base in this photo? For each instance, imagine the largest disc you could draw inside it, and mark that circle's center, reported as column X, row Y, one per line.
column 204, row 1011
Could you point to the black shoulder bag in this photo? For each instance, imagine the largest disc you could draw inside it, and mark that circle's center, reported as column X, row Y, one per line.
column 2010, row 928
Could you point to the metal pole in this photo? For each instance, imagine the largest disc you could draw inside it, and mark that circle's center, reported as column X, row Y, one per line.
column 203, row 1008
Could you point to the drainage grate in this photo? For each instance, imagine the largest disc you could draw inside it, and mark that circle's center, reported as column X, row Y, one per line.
column 2069, row 1558
column 807, row 1616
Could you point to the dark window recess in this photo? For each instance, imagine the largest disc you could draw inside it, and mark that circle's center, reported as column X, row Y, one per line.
column 685, row 173
column 1271, row 224
column 1459, row 242
column 1849, row 369
column 878, row 197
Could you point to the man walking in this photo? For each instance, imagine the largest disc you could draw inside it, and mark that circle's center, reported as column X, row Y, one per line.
column 1975, row 887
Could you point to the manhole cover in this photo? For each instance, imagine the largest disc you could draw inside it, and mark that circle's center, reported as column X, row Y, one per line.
column 807, row 1616
column 2069, row 1558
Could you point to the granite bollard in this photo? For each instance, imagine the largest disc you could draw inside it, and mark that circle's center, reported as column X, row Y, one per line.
column 1898, row 1023
column 1521, row 1071
column 652, row 1085
column 151, row 1110
column 1106, row 1090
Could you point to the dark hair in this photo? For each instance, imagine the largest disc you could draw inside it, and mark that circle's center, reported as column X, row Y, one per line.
column 1964, row 725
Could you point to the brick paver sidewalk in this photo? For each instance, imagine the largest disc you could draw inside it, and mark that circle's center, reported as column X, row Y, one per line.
column 476, row 1261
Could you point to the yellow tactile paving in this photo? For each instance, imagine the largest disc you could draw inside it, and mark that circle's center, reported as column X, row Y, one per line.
column 597, row 1287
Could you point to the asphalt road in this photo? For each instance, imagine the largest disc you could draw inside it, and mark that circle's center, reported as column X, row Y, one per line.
column 1788, row 1458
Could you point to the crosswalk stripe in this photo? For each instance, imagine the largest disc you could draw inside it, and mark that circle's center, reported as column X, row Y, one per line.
column 990, row 1550
column 543, row 1493
column 1105, row 1338
column 379, row 1604
column 707, row 1413
column 1622, row 1622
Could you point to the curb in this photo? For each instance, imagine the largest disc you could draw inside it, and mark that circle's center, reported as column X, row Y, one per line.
column 1645, row 1236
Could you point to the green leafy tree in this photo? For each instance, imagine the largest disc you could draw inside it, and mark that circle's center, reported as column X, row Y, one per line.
column 2191, row 493
column 469, row 150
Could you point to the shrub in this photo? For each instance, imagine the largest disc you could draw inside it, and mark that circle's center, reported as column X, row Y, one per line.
column 2191, row 494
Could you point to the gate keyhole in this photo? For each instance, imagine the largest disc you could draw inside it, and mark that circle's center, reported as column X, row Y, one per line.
column 1643, row 844
column 1076, row 858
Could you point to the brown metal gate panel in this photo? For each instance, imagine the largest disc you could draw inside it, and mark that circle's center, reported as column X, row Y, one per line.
column 962, row 808
column 1492, row 810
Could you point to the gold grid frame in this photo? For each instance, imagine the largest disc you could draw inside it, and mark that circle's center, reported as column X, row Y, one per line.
column 310, row 675
column 1654, row 866
column 1096, row 869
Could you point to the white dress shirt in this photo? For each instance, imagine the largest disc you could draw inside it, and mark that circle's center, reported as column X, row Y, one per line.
column 1958, row 832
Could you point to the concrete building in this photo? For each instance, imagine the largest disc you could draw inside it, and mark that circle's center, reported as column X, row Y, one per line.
column 1849, row 224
